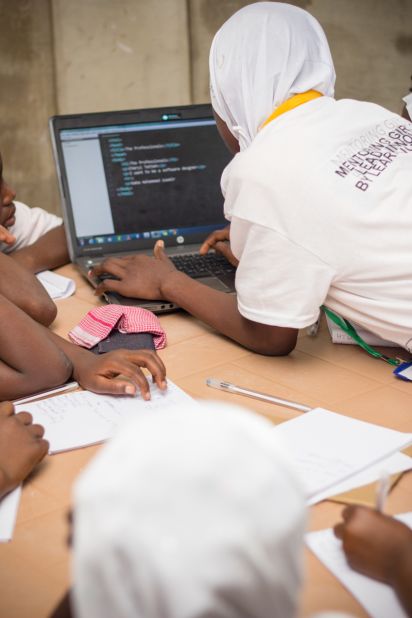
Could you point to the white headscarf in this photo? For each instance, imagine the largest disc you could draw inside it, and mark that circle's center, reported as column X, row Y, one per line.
column 264, row 54
column 192, row 512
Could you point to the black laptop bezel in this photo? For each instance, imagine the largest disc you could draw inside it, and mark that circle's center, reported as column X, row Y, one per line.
column 59, row 123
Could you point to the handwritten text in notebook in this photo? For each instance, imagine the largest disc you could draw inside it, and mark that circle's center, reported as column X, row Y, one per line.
column 79, row 419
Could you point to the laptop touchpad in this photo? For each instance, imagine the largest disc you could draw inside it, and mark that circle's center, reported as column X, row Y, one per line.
column 213, row 282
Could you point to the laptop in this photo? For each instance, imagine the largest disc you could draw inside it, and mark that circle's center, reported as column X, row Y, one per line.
column 129, row 178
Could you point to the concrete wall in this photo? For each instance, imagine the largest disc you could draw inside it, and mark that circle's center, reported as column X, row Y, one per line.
column 370, row 40
column 65, row 56
column 120, row 54
column 27, row 99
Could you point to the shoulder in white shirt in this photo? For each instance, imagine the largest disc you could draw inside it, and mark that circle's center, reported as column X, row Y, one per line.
column 30, row 225
column 321, row 212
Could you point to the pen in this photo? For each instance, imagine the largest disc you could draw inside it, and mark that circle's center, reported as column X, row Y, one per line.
column 232, row 388
column 382, row 491
column 69, row 386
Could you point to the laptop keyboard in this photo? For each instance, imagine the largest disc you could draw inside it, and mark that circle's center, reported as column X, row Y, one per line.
column 195, row 265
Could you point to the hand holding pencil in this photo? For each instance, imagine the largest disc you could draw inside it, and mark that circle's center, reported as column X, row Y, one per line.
column 374, row 544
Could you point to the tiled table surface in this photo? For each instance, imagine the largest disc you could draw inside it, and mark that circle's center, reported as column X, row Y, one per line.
column 34, row 567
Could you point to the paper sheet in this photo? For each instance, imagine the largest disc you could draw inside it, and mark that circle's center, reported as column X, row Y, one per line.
column 82, row 418
column 339, row 336
column 378, row 599
column 391, row 465
column 9, row 506
column 56, row 286
column 329, row 448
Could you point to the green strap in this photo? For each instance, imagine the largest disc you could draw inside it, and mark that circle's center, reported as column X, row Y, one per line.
column 349, row 329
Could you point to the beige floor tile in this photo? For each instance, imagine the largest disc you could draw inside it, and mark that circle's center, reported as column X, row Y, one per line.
column 35, row 502
column 26, row 589
column 44, row 538
column 62, row 471
column 39, row 557
column 347, row 356
column 198, row 353
column 180, row 326
column 309, row 375
column 385, row 406
column 401, row 385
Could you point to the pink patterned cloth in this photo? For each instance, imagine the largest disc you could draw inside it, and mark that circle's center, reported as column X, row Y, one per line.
column 99, row 322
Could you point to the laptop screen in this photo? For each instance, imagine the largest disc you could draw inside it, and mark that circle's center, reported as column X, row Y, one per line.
column 129, row 183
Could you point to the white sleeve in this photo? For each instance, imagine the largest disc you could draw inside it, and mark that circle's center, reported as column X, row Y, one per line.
column 277, row 281
column 31, row 224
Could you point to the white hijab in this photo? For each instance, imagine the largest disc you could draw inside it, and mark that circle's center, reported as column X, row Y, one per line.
column 192, row 512
column 264, row 54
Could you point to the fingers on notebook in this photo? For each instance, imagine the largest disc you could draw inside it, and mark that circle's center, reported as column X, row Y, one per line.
column 108, row 378
column 25, row 418
column 152, row 362
column 149, row 360
column 37, row 430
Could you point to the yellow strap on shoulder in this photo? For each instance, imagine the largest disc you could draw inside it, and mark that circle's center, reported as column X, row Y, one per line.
column 295, row 101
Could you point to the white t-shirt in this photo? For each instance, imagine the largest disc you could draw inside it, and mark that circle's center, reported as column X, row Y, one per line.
column 31, row 224
column 320, row 207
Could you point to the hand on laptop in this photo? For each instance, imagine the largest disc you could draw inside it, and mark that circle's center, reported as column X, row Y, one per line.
column 219, row 240
column 137, row 276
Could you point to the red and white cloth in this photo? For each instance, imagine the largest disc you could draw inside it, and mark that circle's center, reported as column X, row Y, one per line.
column 99, row 322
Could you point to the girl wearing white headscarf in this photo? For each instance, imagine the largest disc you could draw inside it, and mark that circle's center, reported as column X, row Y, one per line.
column 319, row 197
column 262, row 56
column 192, row 512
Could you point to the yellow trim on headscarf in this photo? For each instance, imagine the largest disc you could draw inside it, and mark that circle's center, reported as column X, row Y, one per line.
column 295, row 101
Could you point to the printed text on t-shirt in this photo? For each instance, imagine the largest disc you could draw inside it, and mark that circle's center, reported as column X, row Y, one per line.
column 371, row 161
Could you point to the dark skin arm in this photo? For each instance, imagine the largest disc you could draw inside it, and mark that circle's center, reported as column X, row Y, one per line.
column 49, row 252
column 29, row 361
column 23, row 289
column 380, row 547
column 157, row 278
column 21, row 447
column 33, row 358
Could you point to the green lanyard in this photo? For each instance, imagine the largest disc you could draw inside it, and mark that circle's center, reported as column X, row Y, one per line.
column 348, row 328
